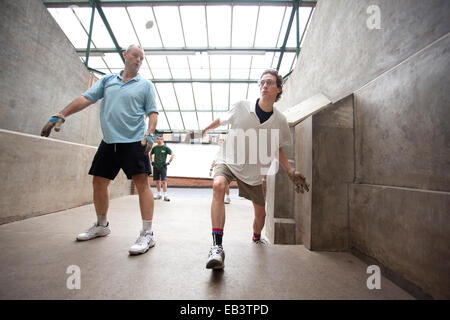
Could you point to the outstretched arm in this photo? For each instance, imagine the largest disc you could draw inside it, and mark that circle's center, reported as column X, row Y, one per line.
column 57, row 120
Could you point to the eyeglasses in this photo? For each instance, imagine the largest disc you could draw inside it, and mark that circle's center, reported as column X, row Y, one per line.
column 268, row 82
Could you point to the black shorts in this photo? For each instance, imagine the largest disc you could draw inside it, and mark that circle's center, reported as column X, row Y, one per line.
column 110, row 158
column 159, row 173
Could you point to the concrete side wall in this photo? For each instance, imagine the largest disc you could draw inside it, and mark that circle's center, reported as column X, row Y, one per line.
column 332, row 171
column 41, row 74
column 41, row 175
column 406, row 230
column 339, row 43
column 402, row 123
column 399, row 78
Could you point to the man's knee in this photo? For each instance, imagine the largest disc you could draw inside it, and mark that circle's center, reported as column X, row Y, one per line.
column 100, row 183
column 219, row 186
column 141, row 182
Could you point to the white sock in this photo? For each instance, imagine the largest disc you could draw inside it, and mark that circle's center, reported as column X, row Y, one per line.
column 147, row 225
column 101, row 220
column 165, row 194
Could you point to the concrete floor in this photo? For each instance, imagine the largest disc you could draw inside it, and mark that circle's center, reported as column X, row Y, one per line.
column 35, row 254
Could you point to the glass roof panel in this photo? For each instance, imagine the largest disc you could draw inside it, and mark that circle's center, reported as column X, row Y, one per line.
column 168, row 21
column 238, row 91
column 100, row 35
column 240, row 66
column 96, row 62
column 162, row 122
column 199, row 66
column 220, row 94
column 244, row 23
column 194, row 25
column 286, row 63
column 261, row 63
column 220, row 67
column 140, row 16
column 70, row 25
column 121, row 26
column 202, row 94
column 219, row 25
column 159, row 66
column 167, row 95
column 113, row 60
column 190, row 120
column 269, row 22
column 175, row 120
column 184, row 96
column 179, row 66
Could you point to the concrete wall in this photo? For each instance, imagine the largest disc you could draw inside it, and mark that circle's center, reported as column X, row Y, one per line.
column 398, row 196
column 339, row 43
column 41, row 74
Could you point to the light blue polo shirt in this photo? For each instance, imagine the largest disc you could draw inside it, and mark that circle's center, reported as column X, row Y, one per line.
column 124, row 106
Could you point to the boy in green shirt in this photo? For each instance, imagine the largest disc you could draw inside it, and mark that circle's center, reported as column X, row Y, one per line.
column 158, row 157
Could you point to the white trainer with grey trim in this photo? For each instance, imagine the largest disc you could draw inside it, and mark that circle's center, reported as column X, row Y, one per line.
column 216, row 258
column 145, row 241
column 94, row 232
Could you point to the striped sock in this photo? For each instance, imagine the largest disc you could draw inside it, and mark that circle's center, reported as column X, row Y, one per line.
column 217, row 236
column 256, row 236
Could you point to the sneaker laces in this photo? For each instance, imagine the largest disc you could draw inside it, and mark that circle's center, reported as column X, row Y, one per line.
column 144, row 238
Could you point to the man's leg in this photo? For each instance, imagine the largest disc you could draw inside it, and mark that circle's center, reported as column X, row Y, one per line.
column 217, row 206
column 101, row 204
column 145, row 194
column 146, row 204
column 216, row 254
column 101, row 195
column 156, row 175
column 258, row 222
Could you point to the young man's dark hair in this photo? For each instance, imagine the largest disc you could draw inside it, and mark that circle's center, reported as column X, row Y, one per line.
column 279, row 80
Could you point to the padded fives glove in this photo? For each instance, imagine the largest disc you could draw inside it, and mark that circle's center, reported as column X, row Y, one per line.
column 147, row 141
column 299, row 181
column 55, row 122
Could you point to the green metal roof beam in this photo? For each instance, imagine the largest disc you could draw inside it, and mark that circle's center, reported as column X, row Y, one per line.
column 119, row 50
column 118, row 3
column 91, row 26
column 286, row 37
column 189, row 50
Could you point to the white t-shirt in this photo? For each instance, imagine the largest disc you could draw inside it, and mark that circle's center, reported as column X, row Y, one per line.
column 251, row 146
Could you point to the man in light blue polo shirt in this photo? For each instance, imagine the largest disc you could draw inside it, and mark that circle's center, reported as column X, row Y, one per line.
column 126, row 100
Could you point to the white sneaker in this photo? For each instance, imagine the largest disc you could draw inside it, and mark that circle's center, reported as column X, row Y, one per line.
column 94, row 232
column 261, row 241
column 157, row 197
column 227, row 200
column 216, row 258
column 145, row 241
column 166, row 198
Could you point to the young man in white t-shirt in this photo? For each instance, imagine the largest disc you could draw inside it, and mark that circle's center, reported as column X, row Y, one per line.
column 258, row 128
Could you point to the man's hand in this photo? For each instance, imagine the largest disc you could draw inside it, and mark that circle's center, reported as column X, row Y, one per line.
column 55, row 122
column 147, row 141
column 299, row 180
